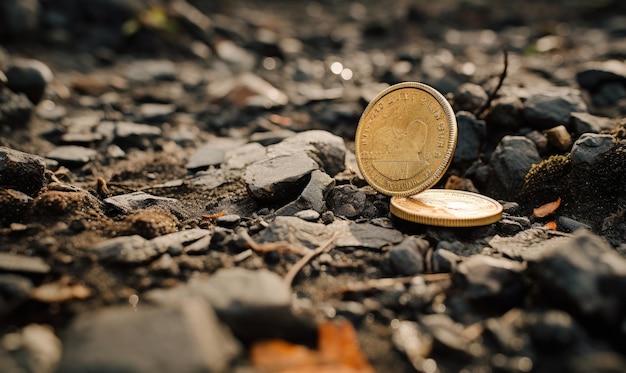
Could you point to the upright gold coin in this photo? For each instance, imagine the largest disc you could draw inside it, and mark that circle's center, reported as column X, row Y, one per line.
column 447, row 208
column 405, row 139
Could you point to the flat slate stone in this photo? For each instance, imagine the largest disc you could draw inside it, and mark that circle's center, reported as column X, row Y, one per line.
column 366, row 235
column 186, row 337
column 22, row 263
column 72, row 155
column 127, row 203
column 278, row 177
column 328, row 150
column 296, row 231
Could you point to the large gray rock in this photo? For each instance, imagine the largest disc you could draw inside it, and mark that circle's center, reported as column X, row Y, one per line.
column 488, row 279
column 254, row 304
column 583, row 275
column 182, row 337
column 279, row 177
column 328, row 150
column 21, row 171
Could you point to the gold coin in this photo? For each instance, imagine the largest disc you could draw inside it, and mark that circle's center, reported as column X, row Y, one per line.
column 447, row 208
column 405, row 139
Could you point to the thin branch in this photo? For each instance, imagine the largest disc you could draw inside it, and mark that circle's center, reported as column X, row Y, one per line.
column 487, row 103
column 296, row 268
column 379, row 283
column 280, row 246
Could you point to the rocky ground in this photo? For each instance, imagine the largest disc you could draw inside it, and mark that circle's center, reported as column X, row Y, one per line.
column 178, row 186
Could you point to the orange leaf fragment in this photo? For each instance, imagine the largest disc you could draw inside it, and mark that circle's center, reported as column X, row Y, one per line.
column 214, row 216
column 338, row 343
column 338, row 352
column 551, row 225
column 277, row 355
column 547, row 209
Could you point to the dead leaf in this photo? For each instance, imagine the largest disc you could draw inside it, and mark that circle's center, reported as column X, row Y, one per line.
column 551, row 225
column 547, row 209
column 338, row 352
column 338, row 343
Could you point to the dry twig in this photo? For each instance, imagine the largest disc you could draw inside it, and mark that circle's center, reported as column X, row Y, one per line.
column 379, row 283
column 487, row 103
column 280, row 246
column 325, row 247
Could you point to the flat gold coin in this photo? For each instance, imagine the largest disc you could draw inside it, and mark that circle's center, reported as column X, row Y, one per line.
column 405, row 139
column 447, row 208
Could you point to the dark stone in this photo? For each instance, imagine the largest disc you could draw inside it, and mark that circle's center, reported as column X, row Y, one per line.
column 144, row 339
column 584, row 122
column 509, row 164
column 505, row 113
column 599, row 73
column 21, row 171
column 584, row 275
column 14, row 288
column 406, row 258
column 15, row 108
column 471, row 134
column 487, row 279
column 29, row 77
column 14, row 205
column 589, row 147
column 313, row 196
column 19, row 18
column 570, row 225
column 444, row 261
column 347, row 200
column 553, row 106
column 469, row 97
